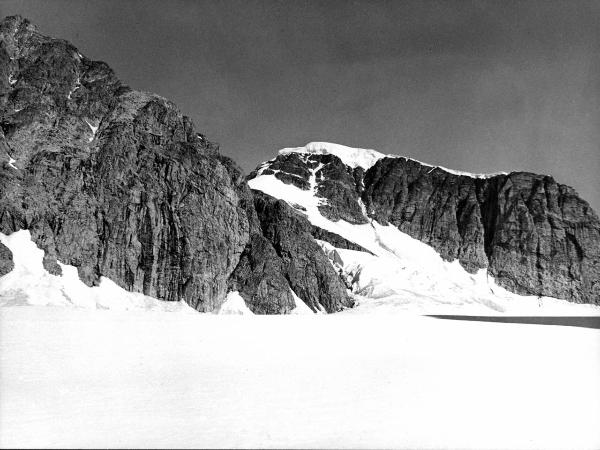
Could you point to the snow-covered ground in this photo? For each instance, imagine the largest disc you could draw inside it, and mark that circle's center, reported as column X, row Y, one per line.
column 95, row 378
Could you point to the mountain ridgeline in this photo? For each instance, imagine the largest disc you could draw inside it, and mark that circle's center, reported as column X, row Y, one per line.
column 532, row 234
column 119, row 184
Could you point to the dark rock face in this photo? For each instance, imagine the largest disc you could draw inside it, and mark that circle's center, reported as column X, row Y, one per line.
column 113, row 181
column 541, row 237
column 259, row 279
column 298, row 258
column 6, row 262
column 291, row 169
column 118, row 183
column 434, row 206
column 282, row 257
column 338, row 184
column 533, row 235
column 332, row 179
column 335, row 239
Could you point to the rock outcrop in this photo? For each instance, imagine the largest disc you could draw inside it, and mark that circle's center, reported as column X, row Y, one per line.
column 119, row 184
column 6, row 262
column 281, row 258
column 534, row 235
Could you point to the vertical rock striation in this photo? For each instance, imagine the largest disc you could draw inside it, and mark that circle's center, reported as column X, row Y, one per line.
column 117, row 182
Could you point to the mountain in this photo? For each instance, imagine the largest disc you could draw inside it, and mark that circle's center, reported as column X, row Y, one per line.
column 532, row 235
column 124, row 196
column 118, row 184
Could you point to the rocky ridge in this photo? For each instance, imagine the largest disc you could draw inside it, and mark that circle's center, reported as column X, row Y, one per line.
column 534, row 235
column 118, row 183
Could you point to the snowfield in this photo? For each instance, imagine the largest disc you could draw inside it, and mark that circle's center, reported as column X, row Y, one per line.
column 84, row 378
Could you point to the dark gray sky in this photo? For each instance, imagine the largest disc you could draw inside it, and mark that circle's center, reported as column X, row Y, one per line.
column 477, row 86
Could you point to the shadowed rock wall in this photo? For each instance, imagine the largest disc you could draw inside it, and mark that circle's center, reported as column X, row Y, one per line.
column 534, row 235
column 117, row 182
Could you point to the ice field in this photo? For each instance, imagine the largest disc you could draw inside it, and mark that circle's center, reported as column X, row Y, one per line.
column 101, row 378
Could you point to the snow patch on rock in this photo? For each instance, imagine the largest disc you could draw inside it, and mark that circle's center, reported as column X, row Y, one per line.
column 11, row 163
column 94, row 130
column 75, row 87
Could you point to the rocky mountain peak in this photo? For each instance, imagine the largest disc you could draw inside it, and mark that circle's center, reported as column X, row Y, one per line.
column 11, row 26
column 351, row 157
column 366, row 158
column 119, row 184
column 534, row 235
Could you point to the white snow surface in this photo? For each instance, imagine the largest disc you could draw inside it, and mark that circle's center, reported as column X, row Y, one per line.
column 366, row 158
column 130, row 379
column 406, row 274
column 234, row 304
column 30, row 284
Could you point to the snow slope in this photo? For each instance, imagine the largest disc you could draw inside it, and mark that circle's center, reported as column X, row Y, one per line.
column 404, row 273
column 129, row 379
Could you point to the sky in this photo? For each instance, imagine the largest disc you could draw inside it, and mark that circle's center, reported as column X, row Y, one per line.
column 475, row 86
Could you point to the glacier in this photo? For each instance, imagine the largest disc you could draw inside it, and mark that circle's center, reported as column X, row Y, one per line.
column 81, row 378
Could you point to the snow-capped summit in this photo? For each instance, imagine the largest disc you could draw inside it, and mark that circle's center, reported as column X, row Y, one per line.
column 352, row 157
column 366, row 158
column 490, row 223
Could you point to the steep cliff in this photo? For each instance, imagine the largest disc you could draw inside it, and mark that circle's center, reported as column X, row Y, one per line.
column 118, row 183
column 534, row 235
column 283, row 259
